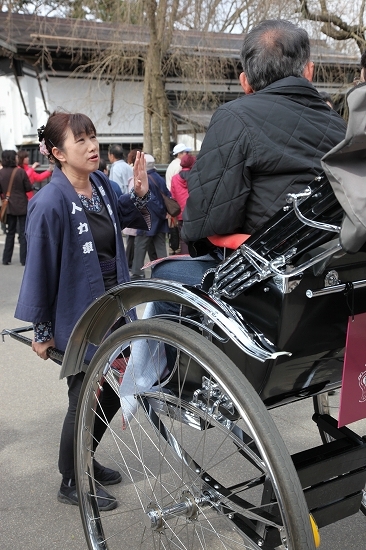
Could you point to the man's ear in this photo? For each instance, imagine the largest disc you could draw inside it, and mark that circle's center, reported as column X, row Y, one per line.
column 309, row 71
column 245, row 84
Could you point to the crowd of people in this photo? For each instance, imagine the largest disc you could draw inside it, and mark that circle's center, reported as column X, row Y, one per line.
column 257, row 149
column 14, row 184
column 120, row 174
column 17, row 187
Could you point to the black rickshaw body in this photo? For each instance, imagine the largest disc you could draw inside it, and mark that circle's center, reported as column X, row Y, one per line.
column 313, row 330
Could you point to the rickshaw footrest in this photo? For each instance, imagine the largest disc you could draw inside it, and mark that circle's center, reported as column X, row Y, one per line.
column 333, row 475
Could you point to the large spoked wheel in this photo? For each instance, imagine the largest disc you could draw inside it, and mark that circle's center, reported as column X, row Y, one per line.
column 203, row 465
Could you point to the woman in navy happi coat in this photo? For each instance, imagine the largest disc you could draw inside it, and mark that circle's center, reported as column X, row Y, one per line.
column 63, row 276
column 75, row 254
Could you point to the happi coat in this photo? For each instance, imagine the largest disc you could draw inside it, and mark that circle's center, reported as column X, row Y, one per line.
column 62, row 275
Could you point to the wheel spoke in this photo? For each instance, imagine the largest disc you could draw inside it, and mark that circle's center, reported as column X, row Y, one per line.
column 192, row 453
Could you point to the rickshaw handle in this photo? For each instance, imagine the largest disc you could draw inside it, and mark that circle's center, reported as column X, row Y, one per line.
column 52, row 353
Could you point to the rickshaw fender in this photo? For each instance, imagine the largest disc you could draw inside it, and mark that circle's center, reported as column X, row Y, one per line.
column 120, row 301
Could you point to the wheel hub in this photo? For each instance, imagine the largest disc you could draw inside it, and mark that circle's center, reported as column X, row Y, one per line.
column 188, row 506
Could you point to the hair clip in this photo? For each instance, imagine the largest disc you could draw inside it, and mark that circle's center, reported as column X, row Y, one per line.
column 40, row 132
column 43, row 149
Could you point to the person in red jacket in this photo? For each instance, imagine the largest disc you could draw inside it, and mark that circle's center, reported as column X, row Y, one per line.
column 179, row 192
column 23, row 162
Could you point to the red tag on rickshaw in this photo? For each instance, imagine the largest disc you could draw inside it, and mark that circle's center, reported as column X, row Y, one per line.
column 353, row 393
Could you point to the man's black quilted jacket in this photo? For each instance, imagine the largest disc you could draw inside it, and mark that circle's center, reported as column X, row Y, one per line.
column 257, row 149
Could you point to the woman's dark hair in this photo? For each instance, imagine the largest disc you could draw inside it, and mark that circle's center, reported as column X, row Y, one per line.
column 187, row 161
column 327, row 98
column 131, row 157
column 22, row 154
column 9, row 158
column 102, row 165
column 272, row 50
column 54, row 133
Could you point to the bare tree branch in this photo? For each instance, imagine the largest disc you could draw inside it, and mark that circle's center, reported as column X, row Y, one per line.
column 159, row 58
column 334, row 26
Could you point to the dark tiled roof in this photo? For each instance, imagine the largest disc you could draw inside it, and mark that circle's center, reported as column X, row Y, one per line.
column 27, row 31
column 30, row 33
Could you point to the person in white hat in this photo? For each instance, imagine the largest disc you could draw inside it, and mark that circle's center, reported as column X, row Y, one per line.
column 174, row 167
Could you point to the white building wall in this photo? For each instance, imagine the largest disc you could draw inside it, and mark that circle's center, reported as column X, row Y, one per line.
column 35, row 107
column 14, row 124
column 92, row 98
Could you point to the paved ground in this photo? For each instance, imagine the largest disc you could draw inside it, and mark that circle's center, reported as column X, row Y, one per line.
column 32, row 406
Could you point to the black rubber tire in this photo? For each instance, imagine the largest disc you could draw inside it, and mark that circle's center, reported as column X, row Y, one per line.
column 276, row 474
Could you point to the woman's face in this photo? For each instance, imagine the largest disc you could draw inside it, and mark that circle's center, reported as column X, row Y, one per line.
column 26, row 160
column 80, row 153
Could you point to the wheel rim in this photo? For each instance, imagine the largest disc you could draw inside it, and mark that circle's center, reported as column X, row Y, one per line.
column 184, row 487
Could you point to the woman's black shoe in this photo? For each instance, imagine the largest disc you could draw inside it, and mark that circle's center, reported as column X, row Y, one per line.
column 68, row 495
column 106, row 476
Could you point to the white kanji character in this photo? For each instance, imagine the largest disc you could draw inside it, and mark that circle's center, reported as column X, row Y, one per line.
column 109, row 209
column 74, row 208
column 88, row 247
column 83, row 228
column 102, row 192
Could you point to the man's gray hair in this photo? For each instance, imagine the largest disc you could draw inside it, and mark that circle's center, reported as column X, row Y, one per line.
column 274, row 49
column 117, row 151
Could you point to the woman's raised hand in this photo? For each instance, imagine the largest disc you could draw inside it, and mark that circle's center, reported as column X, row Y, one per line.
column 140, row 180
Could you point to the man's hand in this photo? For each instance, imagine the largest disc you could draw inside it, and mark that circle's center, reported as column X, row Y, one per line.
column 41, row 348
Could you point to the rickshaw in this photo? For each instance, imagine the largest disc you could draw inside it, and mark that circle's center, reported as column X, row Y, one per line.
column 203, row 463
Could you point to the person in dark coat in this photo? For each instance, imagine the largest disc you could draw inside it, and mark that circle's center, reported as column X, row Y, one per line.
column 266, row 144
column 259, row 147
column 156, row 235
column 17, row 205
column 76, row 253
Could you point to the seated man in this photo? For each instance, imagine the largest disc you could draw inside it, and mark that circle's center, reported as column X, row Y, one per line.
column 257, row 149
